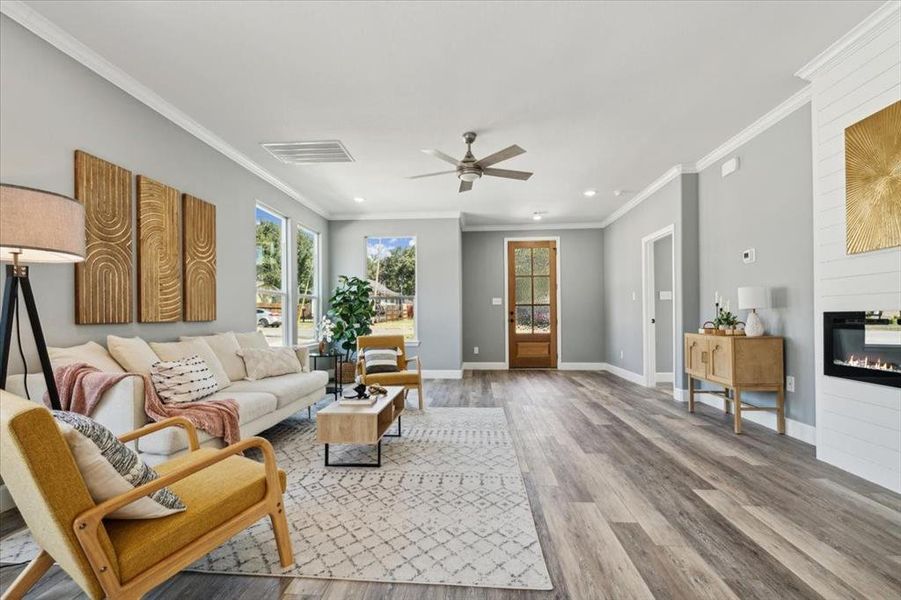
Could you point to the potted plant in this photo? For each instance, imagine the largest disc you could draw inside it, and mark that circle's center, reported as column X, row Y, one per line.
column 351, row 314
column 725, row 322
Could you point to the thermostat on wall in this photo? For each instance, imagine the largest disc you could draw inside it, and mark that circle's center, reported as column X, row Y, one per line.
column 749, row 256
column 496, row 301
column 729, row 167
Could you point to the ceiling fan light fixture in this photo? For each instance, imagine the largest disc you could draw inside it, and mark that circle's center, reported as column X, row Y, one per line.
column 469, row 175
column 590, row 193
column 536, row 216
column 359, row 200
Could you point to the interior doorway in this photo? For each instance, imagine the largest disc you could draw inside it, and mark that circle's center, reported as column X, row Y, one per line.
column 659, row 299
column 532, row 303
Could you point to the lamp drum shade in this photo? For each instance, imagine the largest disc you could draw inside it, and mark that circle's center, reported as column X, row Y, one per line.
column 752, row 297
column 40, row 226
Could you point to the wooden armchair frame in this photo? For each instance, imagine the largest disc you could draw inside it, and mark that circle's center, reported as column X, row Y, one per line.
column 361, row 371
column 87, row 525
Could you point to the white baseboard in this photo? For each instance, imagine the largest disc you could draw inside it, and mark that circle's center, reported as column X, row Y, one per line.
column 484, row 366
column 581, row 366
column 624, row 373
column 442, row 374
column 793, row 429
column 6, row 501
column 664, row 377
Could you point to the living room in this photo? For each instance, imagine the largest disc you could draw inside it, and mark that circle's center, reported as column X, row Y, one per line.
column 450, row 300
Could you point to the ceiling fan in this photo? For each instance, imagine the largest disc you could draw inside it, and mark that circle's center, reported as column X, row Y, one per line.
column 469, row 169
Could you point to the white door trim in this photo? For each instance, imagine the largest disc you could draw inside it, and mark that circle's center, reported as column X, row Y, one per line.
column 546, row 238
column 649, row 358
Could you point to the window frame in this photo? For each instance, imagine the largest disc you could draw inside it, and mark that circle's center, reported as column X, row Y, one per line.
column 414, row 341
column 316, row 295
column 284, row 292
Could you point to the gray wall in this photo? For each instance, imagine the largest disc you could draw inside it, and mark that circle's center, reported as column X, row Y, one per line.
column 581, row 294
column 663, row 309
column 438, row 265
column 50, row 106
column 674, row 204
column 767, row 204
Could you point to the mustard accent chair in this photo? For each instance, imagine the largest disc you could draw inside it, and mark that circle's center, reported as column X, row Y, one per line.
column 406, row 377
column 224, row 494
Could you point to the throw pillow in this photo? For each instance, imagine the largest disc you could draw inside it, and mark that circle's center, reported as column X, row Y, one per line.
column 133, row 354
column 303, row 355
column 270, row 362
column 91, row 353
column 183, row 380
column 225, row 346
column 110, row 468
column 253, row 339
column 171, row 351
column 380, row 360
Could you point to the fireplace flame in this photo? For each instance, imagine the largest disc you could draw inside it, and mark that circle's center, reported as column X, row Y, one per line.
column 865, row 362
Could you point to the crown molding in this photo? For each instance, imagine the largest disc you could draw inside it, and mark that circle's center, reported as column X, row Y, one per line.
column 45, row 29
column 641, row 196
column 398, row 216
column 787, row 107
column 533, row 226
column 882, row 18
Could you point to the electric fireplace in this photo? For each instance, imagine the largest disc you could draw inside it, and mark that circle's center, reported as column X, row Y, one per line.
column 864, row 345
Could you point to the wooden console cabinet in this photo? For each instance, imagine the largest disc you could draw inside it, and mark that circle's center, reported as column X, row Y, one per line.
column 739, row 364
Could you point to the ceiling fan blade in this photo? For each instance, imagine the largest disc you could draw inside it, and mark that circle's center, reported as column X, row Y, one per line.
column 441, row 155
column 432, row 174
column 500, row 155
column 465, row 186
column 522, row 175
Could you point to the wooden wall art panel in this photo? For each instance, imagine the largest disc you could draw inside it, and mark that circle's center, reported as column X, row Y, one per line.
column 873, row 181
column 199, row 251
column 159, row 263
column 103, row 282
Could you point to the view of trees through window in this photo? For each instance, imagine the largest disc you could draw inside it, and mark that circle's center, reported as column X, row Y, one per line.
column 391, row 268
column 307, row 290
column 270, row 293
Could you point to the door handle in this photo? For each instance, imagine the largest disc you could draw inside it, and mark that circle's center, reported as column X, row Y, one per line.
column 653, row 320
column 704, row 357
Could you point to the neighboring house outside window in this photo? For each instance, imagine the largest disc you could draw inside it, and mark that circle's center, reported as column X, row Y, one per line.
column 271, row 285
column 308, row 301
column 391, row 269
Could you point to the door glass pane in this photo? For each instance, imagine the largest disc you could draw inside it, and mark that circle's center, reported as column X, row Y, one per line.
column 542, row 319
column 523, row 260
column 523, row 319
column 541, row 261
column 523, row 290
column 542, row 290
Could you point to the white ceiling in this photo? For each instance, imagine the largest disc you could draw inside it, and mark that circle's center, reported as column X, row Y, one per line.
column 602, row 95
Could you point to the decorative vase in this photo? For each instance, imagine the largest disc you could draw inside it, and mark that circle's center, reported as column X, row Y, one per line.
column 754, row 326
column 322, row 347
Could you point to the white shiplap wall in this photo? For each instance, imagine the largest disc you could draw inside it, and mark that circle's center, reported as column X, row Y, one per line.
column 858, row 425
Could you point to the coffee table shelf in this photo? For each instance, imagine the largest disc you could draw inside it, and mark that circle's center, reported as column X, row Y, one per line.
column 361, row 425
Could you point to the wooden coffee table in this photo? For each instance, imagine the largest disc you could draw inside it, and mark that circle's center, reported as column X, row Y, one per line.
column 337, row 424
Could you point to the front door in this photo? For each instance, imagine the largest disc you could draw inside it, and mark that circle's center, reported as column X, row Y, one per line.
column 532, row 303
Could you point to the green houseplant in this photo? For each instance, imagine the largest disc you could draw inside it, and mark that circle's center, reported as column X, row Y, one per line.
column 352, row 313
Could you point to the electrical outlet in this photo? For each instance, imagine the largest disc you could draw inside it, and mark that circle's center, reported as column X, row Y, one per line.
column 475, row 350
column 620, row 353
column 789, row 383
column 633, row 295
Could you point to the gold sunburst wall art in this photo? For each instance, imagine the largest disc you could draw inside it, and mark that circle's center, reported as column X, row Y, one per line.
column 873, row 181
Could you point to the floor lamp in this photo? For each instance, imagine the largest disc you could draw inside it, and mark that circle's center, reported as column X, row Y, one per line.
column 35, row 227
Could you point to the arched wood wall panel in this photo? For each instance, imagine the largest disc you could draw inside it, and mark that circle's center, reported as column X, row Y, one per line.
column 103, row 282
column 159, row 258
column 199, row 259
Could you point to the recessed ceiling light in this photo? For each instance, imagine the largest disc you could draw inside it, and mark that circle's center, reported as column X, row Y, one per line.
column 617, row 193
column 359, row 200
column 589, row 193
column 536, row 216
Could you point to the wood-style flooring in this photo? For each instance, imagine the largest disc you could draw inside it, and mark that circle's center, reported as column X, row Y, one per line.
column 635, row 498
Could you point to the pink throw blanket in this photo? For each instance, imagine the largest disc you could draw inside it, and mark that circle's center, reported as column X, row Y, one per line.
column 82, row 386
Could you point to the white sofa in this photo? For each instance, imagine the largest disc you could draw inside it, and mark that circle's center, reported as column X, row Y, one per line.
column 262, row 404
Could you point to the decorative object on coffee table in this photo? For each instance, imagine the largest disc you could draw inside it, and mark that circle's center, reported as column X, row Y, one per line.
column 336, row 424
column 751, row 298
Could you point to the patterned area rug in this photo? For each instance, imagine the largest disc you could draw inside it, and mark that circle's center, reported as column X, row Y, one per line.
column 448, row 506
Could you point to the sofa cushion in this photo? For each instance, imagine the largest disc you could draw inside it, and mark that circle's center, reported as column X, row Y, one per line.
column 183, row 380
column 252, row 339
column 401, row 378
column 133, row 354
column 269, row 362
column 251, row 406
column 286, row 388
column 173, row 351
column 91, row 353
column 213, row 496
column 225, row 346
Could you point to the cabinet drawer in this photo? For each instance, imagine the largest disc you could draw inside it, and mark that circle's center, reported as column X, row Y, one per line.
column 719, row 359
column 696, row 355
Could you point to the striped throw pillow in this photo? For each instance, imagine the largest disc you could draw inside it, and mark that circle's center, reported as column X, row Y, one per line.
column 380, row 360
column 183, row 380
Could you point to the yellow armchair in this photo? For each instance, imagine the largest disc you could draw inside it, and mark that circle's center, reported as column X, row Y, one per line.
column 407, row 377
column 112, row 558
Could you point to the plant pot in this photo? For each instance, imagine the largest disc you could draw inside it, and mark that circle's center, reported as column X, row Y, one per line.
column 323, row 347
column 348, row 372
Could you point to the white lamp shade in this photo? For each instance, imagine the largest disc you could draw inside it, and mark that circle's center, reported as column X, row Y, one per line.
column 753, row 297
column 39, row 226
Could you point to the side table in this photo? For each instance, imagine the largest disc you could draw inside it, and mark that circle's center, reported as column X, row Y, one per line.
column 335, row 359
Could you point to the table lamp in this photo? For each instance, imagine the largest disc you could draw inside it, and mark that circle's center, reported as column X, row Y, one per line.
column 35, row 227
column 751, row 298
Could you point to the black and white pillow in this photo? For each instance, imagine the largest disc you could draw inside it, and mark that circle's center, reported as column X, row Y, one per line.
column 110, row 468
column 183, row 380
column 380, row 360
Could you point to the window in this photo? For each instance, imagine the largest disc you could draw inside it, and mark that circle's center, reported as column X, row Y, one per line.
column 271, row 276
column 307, row 285
column 391, row 269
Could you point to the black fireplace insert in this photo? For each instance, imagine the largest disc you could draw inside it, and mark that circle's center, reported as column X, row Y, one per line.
column 864, row 345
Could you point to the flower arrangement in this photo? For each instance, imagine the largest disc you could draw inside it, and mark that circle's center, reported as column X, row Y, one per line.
column 724, row 318
column 325, row 330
